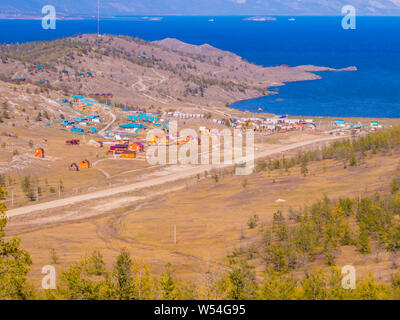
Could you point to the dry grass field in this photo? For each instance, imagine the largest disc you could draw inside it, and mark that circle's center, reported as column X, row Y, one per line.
column 211, row 218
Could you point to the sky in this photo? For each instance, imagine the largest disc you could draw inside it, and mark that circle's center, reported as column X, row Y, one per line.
column 199, row 7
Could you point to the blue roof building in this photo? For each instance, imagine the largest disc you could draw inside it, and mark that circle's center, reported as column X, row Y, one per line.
column 132, row 125
column 77, row 130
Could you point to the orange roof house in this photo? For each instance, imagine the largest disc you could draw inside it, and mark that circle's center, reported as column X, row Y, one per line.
column 39, row 153
column 128, row 154
column 137, row 147
column 85, row 164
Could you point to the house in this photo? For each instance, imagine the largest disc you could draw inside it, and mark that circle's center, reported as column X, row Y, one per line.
column 73, row 167
column 39, row 153
column 18, row 80
column 128, row 154
column 67, row 123
column 73, row 142
column 77, row 130
column 132, row 126
column 85, row 164
column 37, row 68
column 118, row 148
column 374, row 124
column 339, row 123
column 137, row 147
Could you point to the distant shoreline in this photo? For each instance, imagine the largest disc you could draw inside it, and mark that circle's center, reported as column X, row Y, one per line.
column 247, row 17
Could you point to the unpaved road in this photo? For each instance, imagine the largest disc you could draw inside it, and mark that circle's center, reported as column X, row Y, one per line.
column 182, row 174
column 113, row 118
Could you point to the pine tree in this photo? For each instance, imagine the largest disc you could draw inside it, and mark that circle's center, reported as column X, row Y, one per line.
column 168, row 287
column 123, row 276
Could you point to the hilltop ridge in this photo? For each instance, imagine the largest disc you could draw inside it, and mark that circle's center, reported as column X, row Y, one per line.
column 167, row 73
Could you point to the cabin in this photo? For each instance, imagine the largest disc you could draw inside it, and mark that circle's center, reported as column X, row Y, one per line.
column 73, row 167
column 118, row 149
column 154, row 140
column 73, row 142
column 128, row 154
column 85, row 164
column 182, row 141
column 18, row 80
column 137, row 147
column 37, row 68
column 164, row 141
column 339, row 123
column 39, row 153
column 374, row 124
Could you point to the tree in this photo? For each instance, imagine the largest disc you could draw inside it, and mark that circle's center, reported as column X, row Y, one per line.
column 79, row 282
column 241, row 280
column 314, row 286
column 98, row 266
column 144, row 287
column 253, row 221
column 14, row 264
column 53, row 256
column 353, row 160
column 168, row 286
column 279, row 226
column 363, row 243
column 27, row 188
column 303, row 167
column 279, row 287
column 123, row 276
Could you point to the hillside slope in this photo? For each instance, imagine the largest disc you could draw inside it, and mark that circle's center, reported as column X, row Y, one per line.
column 164, row 73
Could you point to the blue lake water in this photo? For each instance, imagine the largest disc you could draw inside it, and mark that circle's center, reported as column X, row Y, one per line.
column 374, row 47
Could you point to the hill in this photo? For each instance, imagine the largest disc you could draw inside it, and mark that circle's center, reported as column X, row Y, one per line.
column 166, row 73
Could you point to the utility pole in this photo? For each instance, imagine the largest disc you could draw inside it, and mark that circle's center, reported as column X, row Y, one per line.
column 59, row 190
column 12, row 198
column 175, row 234
column 37, row 193
column 98, row 18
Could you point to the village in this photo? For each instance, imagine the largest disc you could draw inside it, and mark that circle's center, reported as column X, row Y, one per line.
column 128, row 139
column 122, row 130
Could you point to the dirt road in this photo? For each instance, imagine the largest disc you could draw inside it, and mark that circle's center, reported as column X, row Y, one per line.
column 182, row 174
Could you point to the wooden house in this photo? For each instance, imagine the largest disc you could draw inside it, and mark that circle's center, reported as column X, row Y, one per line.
column 85, row 164
column 73, row 142
column 128, row 154
column 39, row 153
column 137, row 147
